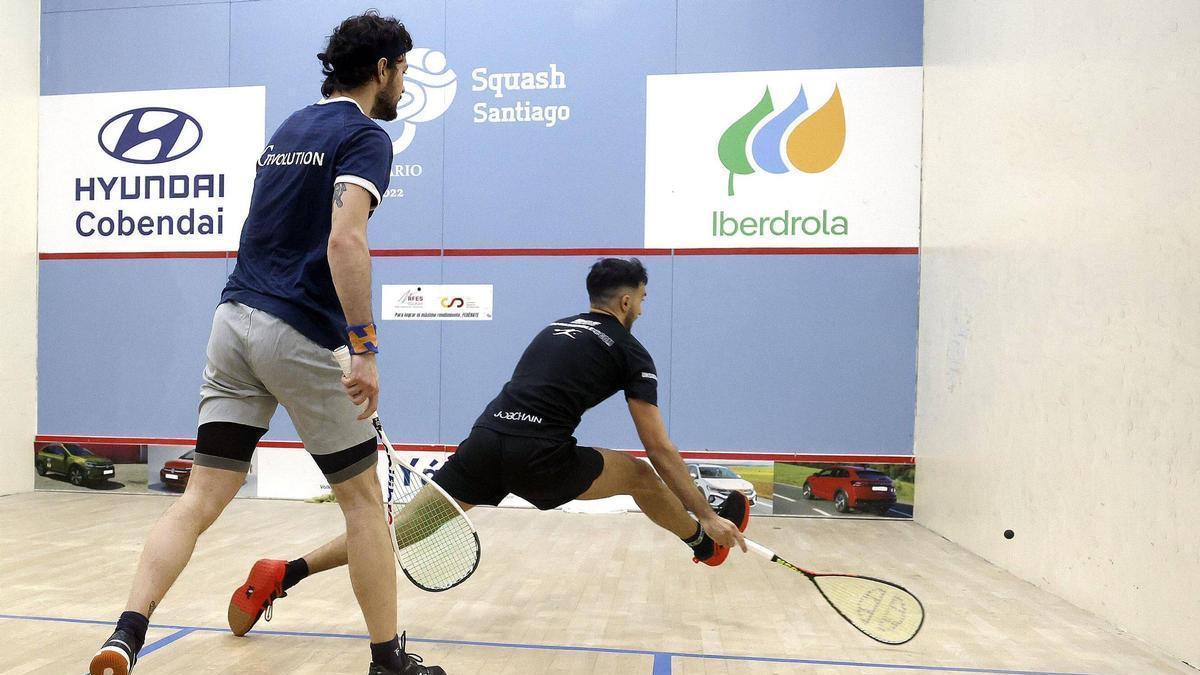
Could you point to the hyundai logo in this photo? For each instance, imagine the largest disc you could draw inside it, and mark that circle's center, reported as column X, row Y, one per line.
column 150, row 135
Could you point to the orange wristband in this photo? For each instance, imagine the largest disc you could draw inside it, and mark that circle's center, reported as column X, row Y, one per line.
column 363, row 339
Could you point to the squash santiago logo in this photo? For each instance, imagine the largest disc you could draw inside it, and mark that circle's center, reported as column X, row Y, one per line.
column 813, row 146
column 429, row 88
column 150, row 135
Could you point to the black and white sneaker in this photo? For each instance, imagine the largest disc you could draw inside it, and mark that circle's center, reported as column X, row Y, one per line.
column 412, row 665
column 116, row 656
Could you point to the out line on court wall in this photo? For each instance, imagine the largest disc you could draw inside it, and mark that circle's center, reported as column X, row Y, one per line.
column 662, row 660
column 727, row 455
column 509, row 252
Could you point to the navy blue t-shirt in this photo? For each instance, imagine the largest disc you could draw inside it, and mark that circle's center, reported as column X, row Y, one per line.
column 282, row 266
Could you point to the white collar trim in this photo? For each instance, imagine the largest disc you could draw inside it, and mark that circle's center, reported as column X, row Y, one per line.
column 342, row 98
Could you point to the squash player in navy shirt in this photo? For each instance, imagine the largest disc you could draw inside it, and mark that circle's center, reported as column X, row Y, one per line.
column 301, row 287
column 523, row 442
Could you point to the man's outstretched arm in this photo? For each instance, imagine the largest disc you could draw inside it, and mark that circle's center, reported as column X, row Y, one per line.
column 670, row 467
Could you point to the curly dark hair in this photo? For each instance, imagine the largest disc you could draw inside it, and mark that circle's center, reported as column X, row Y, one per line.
column 610, row 275
column 357, row 45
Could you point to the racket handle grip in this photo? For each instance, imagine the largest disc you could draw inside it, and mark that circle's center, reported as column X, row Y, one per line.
column 342, row 356
column 758, row 548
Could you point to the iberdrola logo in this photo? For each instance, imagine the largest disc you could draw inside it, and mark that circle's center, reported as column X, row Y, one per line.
column 812, row 146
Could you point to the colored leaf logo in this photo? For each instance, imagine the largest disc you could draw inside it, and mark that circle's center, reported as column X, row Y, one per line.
column 732, row 146
column 817, row 142
column 765, row 146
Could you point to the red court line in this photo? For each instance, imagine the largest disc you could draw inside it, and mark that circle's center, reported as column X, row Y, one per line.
column 865, row 250
column 540, row 252
column 727, row 455
column 506, row 252
column 135, row 255
column 405, row 252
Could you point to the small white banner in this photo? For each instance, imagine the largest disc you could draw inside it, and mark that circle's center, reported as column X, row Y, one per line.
column 290, row 473
column 147, row 171
column 433, row 302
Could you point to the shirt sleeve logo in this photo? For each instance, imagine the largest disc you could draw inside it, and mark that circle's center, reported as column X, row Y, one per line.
column 517, row 417
column 572, row 328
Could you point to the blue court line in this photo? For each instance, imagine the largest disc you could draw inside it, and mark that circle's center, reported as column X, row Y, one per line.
column 159, row 644
column 662, row 660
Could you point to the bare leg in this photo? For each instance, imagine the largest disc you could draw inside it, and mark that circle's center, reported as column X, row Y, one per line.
column 368, row 551
column 173, row 537
column 329, row 555
column 332, row 554
column 625, row 475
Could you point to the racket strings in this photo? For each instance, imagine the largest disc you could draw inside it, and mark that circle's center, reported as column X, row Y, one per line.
column 435, row 544
column 883, row 611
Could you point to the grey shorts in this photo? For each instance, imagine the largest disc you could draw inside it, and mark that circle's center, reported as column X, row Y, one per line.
column 256, row 362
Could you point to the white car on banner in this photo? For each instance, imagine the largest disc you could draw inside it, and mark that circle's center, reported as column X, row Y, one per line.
column 715, row 482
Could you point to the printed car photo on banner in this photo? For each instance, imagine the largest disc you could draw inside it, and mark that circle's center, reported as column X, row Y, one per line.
column 849, row 489
column 717, row 479
column 90, row 467
column 798, row 158
column 169, row 467
column 147, row 171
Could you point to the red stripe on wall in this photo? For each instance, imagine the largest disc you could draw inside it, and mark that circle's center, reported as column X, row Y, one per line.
column 134, row 255
column 405, row 252
column 437, row 447
column 506, row 252
column 866, row 250
column 541, row 252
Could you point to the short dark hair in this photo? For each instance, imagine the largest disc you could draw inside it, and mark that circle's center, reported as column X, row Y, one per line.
column 356, row 45
column 609, row 275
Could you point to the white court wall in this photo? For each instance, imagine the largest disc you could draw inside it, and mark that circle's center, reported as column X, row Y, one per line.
column 20, row 22
column 1059, row 349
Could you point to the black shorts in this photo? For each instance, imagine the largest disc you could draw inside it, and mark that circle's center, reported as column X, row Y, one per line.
column 547, row 473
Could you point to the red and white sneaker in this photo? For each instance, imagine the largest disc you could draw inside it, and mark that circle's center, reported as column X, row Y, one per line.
column 257, row 596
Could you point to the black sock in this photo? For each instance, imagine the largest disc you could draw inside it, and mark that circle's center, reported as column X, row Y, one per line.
column 297, row 571
column 701, row 543
column 135, row 625
column 387, row 654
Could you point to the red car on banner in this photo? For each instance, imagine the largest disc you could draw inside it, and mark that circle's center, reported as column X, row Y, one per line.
column 176, row 472
column 852, row 487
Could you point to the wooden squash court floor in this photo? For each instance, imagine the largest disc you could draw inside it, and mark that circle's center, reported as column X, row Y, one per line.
column 555, row 593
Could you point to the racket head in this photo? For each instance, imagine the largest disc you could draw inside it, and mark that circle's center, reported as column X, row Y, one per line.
column 435, row 543
column 881, row 610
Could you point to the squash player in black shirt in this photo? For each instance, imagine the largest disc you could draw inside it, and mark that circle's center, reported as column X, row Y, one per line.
column 523, row 442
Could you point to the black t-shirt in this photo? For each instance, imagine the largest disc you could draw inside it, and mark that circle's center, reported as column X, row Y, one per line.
column 571, row 366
